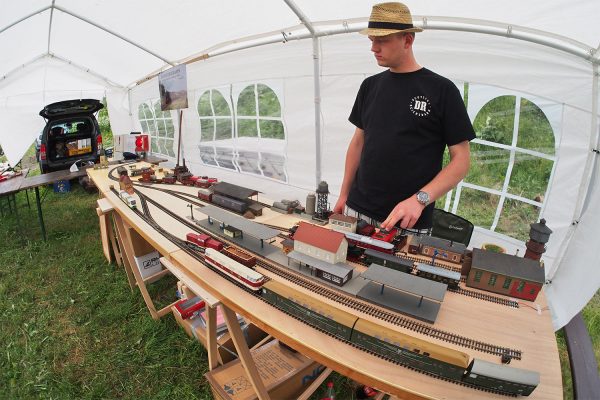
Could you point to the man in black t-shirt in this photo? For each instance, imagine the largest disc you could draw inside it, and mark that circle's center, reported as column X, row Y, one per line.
column 404, row 118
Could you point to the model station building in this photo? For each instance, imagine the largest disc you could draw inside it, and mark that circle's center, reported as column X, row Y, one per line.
column 442, row 249
column 324, row 250
column 506, row 274
column 342, row 223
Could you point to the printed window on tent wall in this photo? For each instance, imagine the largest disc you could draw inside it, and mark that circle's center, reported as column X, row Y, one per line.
column 159, row 125
column 216, row 129
column 512, row 160
column 251, row 139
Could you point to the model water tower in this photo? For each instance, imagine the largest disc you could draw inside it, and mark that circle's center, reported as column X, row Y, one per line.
column 322, row 211
column 539, row 234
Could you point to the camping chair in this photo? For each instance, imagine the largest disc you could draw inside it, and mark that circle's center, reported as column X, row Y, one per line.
column 451, row 227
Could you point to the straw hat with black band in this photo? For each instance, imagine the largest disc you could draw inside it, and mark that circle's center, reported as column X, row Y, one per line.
column 388, row 18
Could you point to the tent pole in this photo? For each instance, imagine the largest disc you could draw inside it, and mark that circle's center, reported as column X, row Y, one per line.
column 317, row 85
column 317, row 81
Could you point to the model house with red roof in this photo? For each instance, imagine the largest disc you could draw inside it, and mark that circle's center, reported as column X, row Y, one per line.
column 320, row 243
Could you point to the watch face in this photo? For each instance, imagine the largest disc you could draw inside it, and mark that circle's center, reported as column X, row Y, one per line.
column 423, row 198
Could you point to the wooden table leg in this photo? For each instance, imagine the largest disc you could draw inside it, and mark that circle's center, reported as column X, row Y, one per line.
column 244, row 353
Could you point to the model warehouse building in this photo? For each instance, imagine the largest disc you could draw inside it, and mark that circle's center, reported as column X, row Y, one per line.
column 506, row 274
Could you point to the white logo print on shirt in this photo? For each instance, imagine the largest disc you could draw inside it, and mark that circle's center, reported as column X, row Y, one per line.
column 420, row 106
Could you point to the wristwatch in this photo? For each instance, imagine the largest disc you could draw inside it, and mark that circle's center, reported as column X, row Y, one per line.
column 423, row 197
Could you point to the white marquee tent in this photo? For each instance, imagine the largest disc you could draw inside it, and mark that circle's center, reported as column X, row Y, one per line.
column 308, row 54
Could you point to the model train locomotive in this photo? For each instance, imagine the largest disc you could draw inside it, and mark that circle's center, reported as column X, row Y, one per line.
column 246, row 276
column 127, row 199
column 434, row 359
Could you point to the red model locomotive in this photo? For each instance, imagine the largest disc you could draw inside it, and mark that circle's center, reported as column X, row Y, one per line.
column 204, row 241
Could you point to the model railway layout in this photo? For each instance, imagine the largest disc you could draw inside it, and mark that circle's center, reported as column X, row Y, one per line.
column 460, row 372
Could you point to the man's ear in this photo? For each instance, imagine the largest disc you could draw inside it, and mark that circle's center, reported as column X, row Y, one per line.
column 409, row 40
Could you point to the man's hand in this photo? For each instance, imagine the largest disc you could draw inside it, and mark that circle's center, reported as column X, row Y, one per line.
column 407, row 212
column 340, row 206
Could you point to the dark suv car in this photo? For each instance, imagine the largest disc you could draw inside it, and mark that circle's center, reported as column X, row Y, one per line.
column 71, row 134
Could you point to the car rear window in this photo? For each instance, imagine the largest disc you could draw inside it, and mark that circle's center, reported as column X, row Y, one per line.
column 73, row 127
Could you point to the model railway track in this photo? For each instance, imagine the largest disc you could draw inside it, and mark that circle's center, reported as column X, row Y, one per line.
column 184, row 245
column 331, row 294
column 355, row 345
column 277, row 228
column 470, row 293
column 405, row 256
column 487, row 297
column 387, row 316
column 190, row 198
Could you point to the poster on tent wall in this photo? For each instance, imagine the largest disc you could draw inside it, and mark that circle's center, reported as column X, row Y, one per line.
column 172, row 85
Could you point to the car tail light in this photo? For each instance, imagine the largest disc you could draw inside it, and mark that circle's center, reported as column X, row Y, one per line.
column 43, row 152
column 99, row 144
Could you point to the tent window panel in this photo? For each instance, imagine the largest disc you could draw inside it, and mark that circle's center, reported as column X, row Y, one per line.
column 268, row 103
column 488, row 166
column 224, row 157
column 144, row 126
column 154, row 145
column 271, row 129
column 247, row 128
column 273, row 166
column 248, row 162
column 246, row 104
column 170, row 143
column 495, row 121
column 204, row 109
column 207, row 129
column 152, row 128
column 478, row 207
column 157, row 110
column 530, row 176
column 515, row 219
column 220, row 105
column 441, row 202
column 207, row 155
column 170, row 128
column 535, row 131
column 162, row 129
column 223, row 129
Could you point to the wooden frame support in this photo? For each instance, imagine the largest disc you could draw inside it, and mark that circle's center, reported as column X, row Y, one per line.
column 119, row 224
column 131, row 269
column 211, row 311
column 107, row 231
column 244, row 353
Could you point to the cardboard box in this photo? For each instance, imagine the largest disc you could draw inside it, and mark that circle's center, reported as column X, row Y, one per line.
column 146, row 258
column 148, row 264
column 285, row 374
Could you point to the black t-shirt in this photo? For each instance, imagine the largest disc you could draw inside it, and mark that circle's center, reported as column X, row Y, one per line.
column 408, row 120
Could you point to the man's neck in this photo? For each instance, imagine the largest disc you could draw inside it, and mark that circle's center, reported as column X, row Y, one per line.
column 406, row 68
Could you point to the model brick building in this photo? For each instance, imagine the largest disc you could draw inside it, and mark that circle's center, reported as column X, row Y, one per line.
column 506, row 274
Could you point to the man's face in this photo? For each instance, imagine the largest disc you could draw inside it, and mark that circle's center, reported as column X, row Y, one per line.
column 389, row 50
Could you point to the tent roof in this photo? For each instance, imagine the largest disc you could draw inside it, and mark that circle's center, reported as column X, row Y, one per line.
column 98, row 36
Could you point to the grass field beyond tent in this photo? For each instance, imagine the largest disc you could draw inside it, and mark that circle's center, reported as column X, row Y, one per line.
column 72, row 328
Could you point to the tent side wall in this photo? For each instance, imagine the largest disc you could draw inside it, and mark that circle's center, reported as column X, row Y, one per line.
column 491, row 66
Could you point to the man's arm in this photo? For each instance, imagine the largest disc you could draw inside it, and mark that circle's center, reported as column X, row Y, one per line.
column 352, row 160
column 408, row 211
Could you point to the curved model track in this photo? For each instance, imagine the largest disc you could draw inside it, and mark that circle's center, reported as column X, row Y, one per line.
column 300, row 280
